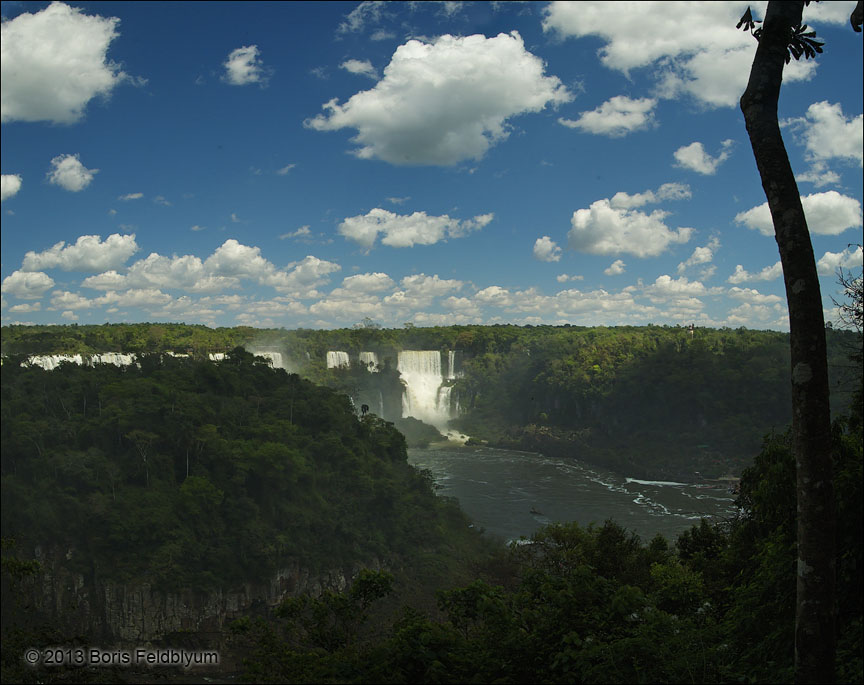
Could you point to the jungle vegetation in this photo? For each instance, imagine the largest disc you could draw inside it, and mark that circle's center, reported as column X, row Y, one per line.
column 190, row 473
column 647, row 401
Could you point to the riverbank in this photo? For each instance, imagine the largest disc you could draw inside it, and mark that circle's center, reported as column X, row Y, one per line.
column 679, row 462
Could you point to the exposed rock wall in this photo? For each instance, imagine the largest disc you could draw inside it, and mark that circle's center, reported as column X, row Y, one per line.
column 116, row 613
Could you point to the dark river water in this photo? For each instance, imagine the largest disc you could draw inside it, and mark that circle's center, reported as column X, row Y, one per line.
column 512, row 494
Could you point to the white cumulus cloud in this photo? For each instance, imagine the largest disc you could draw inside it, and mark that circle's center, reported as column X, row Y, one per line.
column 227, row 267
column 68, row 173
column 614, row 227
column 407, row 230
column 563, row 278
column 769, row 273
column 244, row 66
column 665, row 288
column 818, row 174
column 694, row 157
column 694, row 49
column 10, row 184
column 701, row 255
column 88, row 254
column 137, row 297
column 546, row 250
column 828, row 213
column 27, row 285
column 616, row 117
column 753, row 296
column 54, row 62
column 302, row 278
column 444, row 101
column 234, row 259
column 421, row 284
column 616, row 268
column 63, row 299
column 362, row 67
column 418, row 291
column 668, row 191
column 828, row 134
column 368, row 283
column 830, row 262
column 157, row 271
column 757, row 315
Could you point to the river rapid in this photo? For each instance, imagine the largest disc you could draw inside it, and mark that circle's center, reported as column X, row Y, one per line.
column 511, row 494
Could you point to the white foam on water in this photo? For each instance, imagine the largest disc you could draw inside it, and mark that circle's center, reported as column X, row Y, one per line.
column 652, row 482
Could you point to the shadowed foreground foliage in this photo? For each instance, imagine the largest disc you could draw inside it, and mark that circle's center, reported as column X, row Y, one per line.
column 597, row 605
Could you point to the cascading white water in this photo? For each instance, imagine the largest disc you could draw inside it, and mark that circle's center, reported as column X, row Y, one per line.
column 451, row 365
column 443, row 401
column 116, row 358
column 274, row 357
column 425, row 396
column 49, row 362
column 369, row 360
column 337, row 359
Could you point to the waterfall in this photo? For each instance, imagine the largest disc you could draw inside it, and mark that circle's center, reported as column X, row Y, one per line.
column 451, row 365
column 337, row 359
column 425, row 396
column 369, row 360
column 116, row 358
column 49, row 362
column 274, row 357
column 443, row 402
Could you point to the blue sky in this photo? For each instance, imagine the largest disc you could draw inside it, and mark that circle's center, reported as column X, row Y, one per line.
column 311, row 164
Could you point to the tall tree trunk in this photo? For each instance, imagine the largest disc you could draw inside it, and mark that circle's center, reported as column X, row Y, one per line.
column 811, row 419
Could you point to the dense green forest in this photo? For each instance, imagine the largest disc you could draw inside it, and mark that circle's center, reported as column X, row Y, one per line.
column 179, row 474
column 648, row 401
column 194, row 473
column 188, row 473
column 644, row 401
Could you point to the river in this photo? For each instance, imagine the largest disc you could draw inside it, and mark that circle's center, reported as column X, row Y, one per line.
column 511, row 494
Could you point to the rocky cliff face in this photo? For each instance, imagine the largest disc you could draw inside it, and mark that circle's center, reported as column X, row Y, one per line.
column 114, row 613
